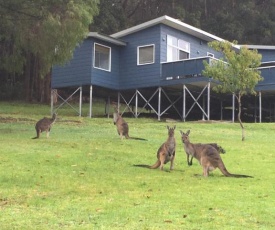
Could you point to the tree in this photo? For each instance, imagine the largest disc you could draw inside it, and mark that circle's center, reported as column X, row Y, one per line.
column 236, row 72
column 35, row 35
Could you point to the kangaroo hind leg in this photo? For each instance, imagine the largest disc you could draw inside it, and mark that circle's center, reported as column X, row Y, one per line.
column 205, row 171
column 172, row 162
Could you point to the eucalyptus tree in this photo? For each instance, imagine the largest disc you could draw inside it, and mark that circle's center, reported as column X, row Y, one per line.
column 236, row 73
column 38, row 34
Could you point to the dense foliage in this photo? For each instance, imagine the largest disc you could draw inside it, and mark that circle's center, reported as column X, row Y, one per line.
column 247, row 21
column 37, row 34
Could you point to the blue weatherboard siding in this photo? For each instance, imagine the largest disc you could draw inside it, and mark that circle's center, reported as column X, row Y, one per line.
column 268, row 82
column 77, row 71
column 127, row 74
column 267, row 55
column 134, row 76
column 108, row 79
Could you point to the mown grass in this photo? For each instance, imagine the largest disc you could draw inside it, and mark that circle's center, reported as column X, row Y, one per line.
column 82, row 177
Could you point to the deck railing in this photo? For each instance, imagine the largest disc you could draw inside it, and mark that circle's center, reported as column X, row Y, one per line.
column 191, row 69
column 188, row 68
column 268, row 83
column 268, row 73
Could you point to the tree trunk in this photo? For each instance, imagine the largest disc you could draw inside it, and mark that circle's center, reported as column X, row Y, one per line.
column 27, row 77
column 239, row 115
column 47, row 88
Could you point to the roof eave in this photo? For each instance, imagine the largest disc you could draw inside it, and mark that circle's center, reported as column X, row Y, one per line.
column 260, row 47
column 171, row 22
column 107, row 38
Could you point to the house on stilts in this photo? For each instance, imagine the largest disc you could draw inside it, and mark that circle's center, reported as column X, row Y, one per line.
column 158, row 65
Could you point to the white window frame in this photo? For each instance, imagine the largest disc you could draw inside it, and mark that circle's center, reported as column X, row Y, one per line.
column 110, row 55
column 178, row 48
column 147, row 63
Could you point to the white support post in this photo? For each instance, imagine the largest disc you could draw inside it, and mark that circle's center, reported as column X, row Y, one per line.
column 118, row 101
column 255, row 109
column 159, row 103
column 52, row 96
column 108, row 107
column 91, row 101
column 208, row 101
column 221, row 110
column 80, row 100
column 260, row 107
column 233, row 107
column 136, row 109
column 183, row 103
column 203, row 107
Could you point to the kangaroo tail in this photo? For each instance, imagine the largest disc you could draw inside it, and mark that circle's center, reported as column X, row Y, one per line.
column 228, row 174
column 34, row 137
column 240, row 176
column 143, row 166
column 137, row 138
column 154, row 166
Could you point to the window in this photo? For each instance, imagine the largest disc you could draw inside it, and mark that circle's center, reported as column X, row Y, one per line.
column 102, row 57
column 146, row 54
column 177, row 49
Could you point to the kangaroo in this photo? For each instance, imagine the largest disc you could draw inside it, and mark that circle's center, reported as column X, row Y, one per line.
column 166, row 152
column 215, row 145
column 44, row 124
column 207, row 155
column 123, row 128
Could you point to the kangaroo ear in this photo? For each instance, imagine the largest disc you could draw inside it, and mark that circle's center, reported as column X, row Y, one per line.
column 188, row 132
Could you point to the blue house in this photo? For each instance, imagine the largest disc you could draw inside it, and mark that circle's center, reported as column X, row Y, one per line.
column 158, row 65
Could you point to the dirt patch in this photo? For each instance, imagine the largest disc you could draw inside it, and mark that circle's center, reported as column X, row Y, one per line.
column 8, row 119
column 13, row 120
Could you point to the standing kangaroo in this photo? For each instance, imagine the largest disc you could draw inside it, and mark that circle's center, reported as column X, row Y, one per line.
column 207, row 155
column 123, row 128
column 215, row 145
column 44, row 124
column 166, row 152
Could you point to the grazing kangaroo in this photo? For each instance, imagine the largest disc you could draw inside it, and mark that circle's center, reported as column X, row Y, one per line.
column 44, row 124
column 166, row 152
column 123, row 128
column 207, row 155
column 215, row 145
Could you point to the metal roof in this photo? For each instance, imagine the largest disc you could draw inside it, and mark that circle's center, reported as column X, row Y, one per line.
column 260, row 47
column 171, row 22
column 107, row 38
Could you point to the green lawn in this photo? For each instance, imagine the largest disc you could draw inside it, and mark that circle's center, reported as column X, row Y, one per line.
column 82, row 177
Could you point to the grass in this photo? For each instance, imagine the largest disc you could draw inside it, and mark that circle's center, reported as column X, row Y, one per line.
column 82, row 176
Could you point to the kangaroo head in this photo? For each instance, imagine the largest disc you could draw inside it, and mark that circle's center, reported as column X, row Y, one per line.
column 171, row 131
column 185, row 136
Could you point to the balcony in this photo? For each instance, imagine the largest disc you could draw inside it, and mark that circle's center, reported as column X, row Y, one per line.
column 190, row 71
column 268, row 83
column 185, row 71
